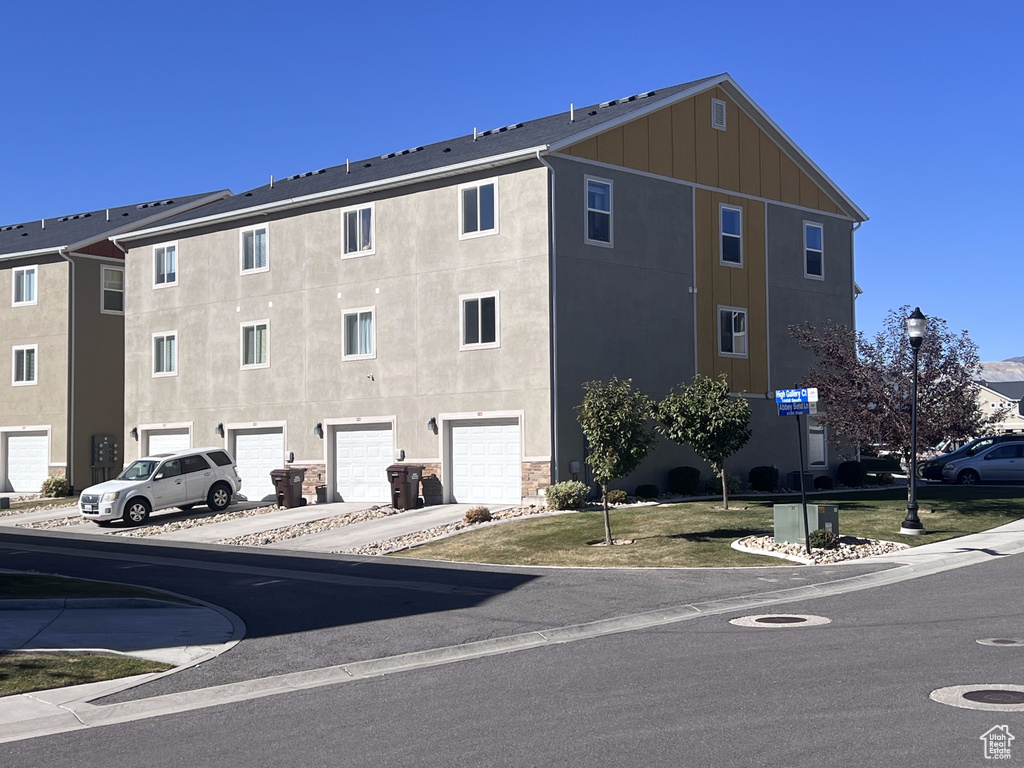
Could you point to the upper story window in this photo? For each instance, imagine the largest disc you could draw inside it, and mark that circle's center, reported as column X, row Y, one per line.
column 23, row 290
column 357, row 231
column 24, row 365
column 255, row 253
column 256, row 344
column 732, row 332
column 165, row 353
column 111, row 290
column 599, row 211
column 165, row 265
column 360, row 334
column 480, row 321
column 731, row 221
column 814, row 251
column 478, row 209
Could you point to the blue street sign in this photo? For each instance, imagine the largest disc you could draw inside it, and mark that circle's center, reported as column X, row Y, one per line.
column 797, row 409
column 809, row 395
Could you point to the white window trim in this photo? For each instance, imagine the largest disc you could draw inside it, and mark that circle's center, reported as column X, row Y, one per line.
column 241, row 342
column 715, row 104
column 722, row 233
column 746, row 333
column 104, row 310
column 373, row 325
column 586, row 211
column 812, row 426
column 152, row 354
column 821, row 227
column 373, row 232
column 177, row 264
column 497, row 320
column 14, row 365
column 241, row 250
column 14, row 286
column 478, row 233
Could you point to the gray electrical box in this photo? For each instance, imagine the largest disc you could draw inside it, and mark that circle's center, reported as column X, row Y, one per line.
column 789, row 528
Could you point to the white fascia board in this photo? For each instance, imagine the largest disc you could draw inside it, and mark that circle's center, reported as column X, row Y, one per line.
column 341, row 193
column 31, row 254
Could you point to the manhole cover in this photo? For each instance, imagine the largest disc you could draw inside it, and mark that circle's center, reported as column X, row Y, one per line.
column 991, row 696
column 1000, row 641
column 780, row 620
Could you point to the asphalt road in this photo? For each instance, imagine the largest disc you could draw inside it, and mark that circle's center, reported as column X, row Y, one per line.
column 702, row 692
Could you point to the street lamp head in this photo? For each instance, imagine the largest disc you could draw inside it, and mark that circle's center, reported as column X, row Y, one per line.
column 917, row 323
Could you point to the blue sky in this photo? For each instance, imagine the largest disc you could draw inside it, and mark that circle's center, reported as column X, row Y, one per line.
column 916, row 110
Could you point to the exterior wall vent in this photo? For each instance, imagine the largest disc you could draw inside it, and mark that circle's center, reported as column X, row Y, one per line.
column 718, row 114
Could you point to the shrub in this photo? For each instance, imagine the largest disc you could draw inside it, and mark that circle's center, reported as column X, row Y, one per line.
column 713, row 485
column 763, row 478
column 823, row 483
column 572, row 494
column 478, row 515
column 851, row 474
column 822, row 539
column 883, row 478
column 683, row 481
column 647, row 491
column 617, row 496
column 56, row 485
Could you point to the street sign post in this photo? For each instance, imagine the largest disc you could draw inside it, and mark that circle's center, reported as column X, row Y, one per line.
column 797, row 402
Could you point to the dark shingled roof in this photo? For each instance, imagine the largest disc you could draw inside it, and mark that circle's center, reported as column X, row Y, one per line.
column 90, row 226
column 489, row 143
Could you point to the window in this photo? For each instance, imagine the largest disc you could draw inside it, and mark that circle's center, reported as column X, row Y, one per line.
column 478, row 209
column 599, row 211
column 480, row 321
column 24, row 372
column 732, row 235
column 814, row 252
column 256, row 344
column 254, row 250
column 718, row 114
column 165, row 265
column 220, row 458
column 357, row 231
column 359, row 334
column 191, row 464
column 817, row 456
column 111, row 290
column 165, row 353
column 171, row 468
column 732, row 332
column 24, row 287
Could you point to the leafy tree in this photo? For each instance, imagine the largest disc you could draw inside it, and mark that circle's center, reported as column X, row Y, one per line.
column 705, row 417
column 614, row 418
column 865, row 386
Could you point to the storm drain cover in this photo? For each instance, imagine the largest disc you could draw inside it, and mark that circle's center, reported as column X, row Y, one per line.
column 993, row 698
column 780, row 620
column 1000, row 641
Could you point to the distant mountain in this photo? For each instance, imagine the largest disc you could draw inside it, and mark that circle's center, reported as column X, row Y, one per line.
column 1007, row 370
column 1014, row 360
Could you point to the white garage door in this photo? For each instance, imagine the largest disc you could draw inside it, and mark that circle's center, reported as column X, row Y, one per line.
column 257, row 452
column 27, row 461
column 486, row 464
column 361, row 459
column 168, row 441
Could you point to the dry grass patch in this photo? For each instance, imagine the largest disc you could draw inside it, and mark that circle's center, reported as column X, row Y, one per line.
column 26, row 672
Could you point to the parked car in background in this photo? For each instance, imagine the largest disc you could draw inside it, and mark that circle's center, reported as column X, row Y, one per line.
column 999, row 463
column 181, row 479
column 932, row 468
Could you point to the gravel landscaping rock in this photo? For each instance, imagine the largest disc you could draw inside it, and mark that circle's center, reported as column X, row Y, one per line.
column 274, row 535
column 41, row 508
column 197, row 522
column 850, row 548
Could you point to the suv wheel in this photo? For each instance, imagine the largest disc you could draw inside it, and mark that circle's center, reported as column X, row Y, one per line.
column 136, row 512
column 219, row 497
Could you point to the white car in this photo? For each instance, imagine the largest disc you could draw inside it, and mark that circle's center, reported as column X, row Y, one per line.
column 181, row 479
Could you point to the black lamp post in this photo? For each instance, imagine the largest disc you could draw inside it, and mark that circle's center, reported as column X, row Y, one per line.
column 916, row 325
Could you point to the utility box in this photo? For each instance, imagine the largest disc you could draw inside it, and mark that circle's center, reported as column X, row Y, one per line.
column 288, row 486
column 789, row 528
column 405, row 485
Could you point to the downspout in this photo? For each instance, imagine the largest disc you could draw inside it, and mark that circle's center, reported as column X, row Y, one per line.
column 853, row 302
column 553, row 340
column 62, row 252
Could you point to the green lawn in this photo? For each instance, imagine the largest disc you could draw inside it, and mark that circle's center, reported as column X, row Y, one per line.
column 699, row 533
column 25, row 672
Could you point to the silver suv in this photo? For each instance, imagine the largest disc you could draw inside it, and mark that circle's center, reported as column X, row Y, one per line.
column 181, row 479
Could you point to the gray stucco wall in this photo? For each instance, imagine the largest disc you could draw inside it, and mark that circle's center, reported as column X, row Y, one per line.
column 413, row 280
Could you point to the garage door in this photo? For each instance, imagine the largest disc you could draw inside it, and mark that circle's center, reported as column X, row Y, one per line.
column 486, row 464
column 361, row 459
column 257, row 452
column 27, row 461
column 168, row 441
